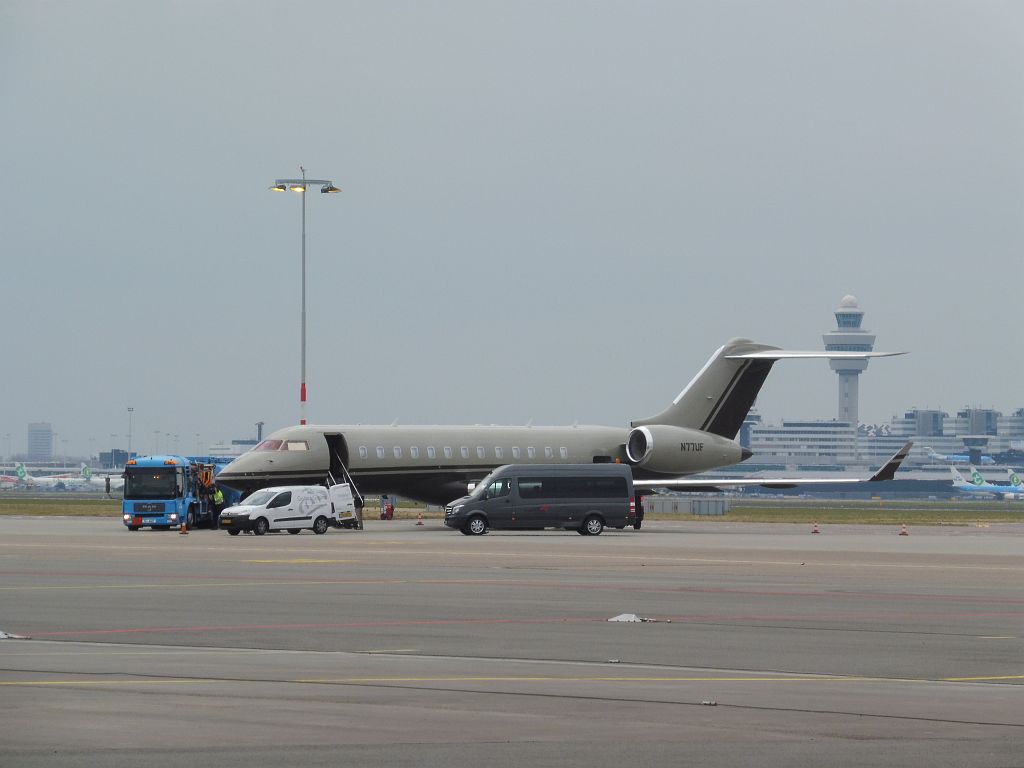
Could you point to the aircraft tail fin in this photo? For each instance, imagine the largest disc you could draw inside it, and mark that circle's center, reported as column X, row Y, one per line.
column 957, row 477
column 720, row 396
column 888, row 470
column 1014, row 478
column 976, row 478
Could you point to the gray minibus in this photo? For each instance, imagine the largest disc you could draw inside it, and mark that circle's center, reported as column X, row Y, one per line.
column 580, row 497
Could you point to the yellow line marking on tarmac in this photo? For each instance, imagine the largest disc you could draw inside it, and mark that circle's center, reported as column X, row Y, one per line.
column 218, row 584
column 520, row 679
column 978, row 679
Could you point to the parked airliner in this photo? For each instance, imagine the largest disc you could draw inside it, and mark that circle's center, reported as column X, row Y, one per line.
column 978, row 484
column 693, row 434
column 960, row 458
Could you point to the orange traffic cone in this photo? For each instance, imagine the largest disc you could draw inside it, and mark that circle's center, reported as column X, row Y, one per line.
column 903, row 530
column 419, row 519
column 814, row 528
column 184, row 527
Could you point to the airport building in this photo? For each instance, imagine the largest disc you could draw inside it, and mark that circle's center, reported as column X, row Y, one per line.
column 836, row 444
column 40, row 441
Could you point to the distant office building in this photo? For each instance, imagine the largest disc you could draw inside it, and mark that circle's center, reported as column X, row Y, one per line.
column 235, row 448
column 812, row 444
column 848, row 337
column 920, row 423
column 113, row 458
column 40, row 441
column 977, row 421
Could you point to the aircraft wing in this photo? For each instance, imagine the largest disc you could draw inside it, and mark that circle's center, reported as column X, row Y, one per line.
column 886, row 472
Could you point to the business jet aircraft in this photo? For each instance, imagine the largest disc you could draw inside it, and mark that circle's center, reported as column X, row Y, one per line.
column 434, row 464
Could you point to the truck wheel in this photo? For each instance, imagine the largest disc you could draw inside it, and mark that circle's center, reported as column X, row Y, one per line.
column 592, row 526
column 320, row 525
column 133, row 527
column 233, row 531
column 476, row 526
column 262, row 526
column 293, row 531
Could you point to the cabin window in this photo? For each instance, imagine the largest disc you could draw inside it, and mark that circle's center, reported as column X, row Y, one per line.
column 398, row 451
column 548, row 453
column 531, row 452
column 464, row 451
column 363, row 453
column 498, row 452
column 414, row 452
column 430, row 452
column 515, row 452
column 563, row 452
column 380, row 451
column 268, row 445
column 447, row 451
column 481, row 452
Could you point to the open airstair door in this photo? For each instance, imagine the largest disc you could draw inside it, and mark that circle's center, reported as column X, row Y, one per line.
column 339, row 464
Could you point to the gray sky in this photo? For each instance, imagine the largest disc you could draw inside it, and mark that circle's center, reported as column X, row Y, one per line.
column 552, row 210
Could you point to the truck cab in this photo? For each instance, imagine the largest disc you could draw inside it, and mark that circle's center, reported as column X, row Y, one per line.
column 164, row 492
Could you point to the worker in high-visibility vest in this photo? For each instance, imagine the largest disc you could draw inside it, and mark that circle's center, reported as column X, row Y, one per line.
column 218, row 504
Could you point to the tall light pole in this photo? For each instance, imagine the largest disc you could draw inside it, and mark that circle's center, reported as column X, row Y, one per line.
column 130, row 412
column 300, row 186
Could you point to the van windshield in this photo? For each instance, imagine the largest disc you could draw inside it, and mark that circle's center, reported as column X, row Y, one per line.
column 478, row 492
column 259, row 498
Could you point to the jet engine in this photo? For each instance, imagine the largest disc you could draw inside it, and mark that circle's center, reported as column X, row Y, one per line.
column 678, row 451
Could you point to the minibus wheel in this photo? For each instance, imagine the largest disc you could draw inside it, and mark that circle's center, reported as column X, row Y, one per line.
column 261, row 527
column 476, row 525
column 592, row 526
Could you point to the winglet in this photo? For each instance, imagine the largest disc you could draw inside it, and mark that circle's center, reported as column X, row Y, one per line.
column 888, row 470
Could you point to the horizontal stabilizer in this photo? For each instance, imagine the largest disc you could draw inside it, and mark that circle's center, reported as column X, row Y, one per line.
column 792, row 354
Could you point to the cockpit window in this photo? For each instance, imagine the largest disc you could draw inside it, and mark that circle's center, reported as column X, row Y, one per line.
column 282, row 445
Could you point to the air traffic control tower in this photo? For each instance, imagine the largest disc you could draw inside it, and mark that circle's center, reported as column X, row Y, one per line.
column 848, row 337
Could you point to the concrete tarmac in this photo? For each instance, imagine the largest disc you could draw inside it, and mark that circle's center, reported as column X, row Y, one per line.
column 414, row 645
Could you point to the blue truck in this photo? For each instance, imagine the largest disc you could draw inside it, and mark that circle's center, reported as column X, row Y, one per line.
column 163, row 492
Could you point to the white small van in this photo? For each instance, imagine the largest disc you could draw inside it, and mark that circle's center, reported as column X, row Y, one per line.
column 292, row 508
